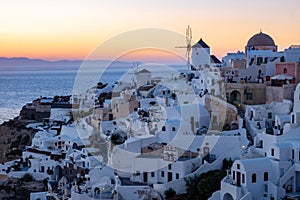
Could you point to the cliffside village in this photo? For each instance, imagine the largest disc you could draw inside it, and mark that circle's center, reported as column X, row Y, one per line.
column 136, row 139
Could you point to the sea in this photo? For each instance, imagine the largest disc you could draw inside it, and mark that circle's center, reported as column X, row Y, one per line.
column 21, row 85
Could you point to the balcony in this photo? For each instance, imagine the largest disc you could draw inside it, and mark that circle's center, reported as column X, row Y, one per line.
column 231, row 187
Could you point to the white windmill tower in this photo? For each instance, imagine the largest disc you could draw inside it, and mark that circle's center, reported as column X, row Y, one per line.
column 188, row 46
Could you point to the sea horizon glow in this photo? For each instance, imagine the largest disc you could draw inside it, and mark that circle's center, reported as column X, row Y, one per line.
column 65, row 29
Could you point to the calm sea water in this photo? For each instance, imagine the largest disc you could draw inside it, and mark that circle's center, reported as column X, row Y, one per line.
column 20, row 86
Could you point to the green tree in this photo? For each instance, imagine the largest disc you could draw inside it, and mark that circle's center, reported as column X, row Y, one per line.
column 170, row 193
column 201, row 187
column 27, row 177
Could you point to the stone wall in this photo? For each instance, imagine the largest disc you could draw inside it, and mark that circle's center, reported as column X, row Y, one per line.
column 221, row 112
column 277, row 94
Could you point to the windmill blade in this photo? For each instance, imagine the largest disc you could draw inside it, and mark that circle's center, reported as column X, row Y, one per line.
column 188, row 47
column 188, row 35
column 183, row 47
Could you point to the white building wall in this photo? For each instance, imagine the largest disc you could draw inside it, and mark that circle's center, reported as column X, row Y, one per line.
column 292, row 55
column 227, row 60
column 296, row 107
column 143, row 79
column 200, row 57
column 254, row 54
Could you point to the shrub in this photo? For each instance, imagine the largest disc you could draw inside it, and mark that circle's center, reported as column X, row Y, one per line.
column 27, row 177
column 201, row 187
column 170, row 193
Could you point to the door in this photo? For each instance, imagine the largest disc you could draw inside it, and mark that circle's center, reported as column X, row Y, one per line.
column 145, row 177
column 238, row 179
column 169, row 176
column 206, row 153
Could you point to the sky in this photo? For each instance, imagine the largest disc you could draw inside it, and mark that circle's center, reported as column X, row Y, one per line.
column 72, row 29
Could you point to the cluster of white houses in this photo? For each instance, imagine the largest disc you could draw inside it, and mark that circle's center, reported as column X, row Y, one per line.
column 135, row 140
column 271, row 170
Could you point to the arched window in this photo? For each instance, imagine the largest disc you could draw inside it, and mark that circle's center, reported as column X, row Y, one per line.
column 285, row 70
column 266, row 176
column 173, row 129
column 253, row 178
column 163, row 128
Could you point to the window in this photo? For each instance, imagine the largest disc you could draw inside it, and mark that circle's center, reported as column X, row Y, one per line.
column 259, row 60
column 293, row 154
column 169, row 167
column 152, row 174
column 293, row 119
column 270, row 115
column 238, row 166
column 162, row 174
column 163, row 128
column 177, row 176
column 252, row 60
column 266, row 176
column 249, row 96
column 173, row 129
column 253, row 178
column 243, row 178
column 272, row 152
column 233, row 175
column 285, row 70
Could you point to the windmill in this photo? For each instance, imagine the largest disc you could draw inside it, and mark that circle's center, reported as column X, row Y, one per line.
column 188, row 46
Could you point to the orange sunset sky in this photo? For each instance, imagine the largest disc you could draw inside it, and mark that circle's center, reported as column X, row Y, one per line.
column 71, row 29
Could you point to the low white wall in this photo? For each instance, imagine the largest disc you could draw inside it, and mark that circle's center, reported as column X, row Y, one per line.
column 179, row 184
column 19, row 174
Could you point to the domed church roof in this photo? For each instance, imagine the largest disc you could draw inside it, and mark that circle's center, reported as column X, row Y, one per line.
column 260, row 39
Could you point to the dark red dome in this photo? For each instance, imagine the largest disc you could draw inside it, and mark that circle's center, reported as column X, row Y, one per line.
column 260, row 39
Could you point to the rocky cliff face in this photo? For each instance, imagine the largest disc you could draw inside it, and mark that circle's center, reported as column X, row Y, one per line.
column 11, row 188
column 14, row 137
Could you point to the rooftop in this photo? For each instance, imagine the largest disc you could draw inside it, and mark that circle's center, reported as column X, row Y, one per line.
column 260, row 39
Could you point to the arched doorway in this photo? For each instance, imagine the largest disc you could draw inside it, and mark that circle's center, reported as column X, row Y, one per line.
column 74, row 146
column 235, row 96
column 227, row 196
column 96, row 192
